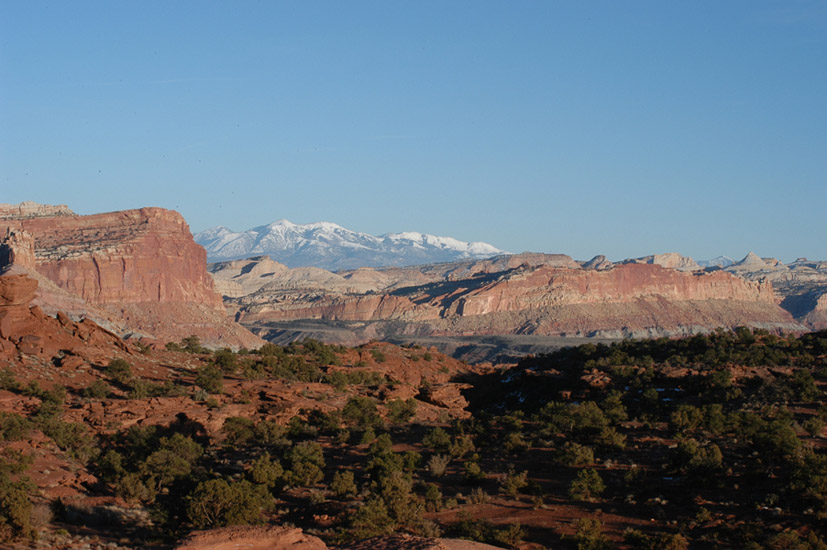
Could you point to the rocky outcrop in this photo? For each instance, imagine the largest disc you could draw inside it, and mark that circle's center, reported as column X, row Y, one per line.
column 16, row 293
column 800, row 285
column 144, row 255
column 286, row 538
column 252, row 538
column 26, row 329
column 31, row 209
column 523, row 295
column 672, row 260
column 141, row 266
column 17, row 248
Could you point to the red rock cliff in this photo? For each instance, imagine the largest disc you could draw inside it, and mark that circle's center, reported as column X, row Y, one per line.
column 133, row 256
column 544, row 299
column 139, row 271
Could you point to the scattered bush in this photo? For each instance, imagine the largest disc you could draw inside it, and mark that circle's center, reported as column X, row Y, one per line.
column 119, row 370
column 588, row 485
column 513, row 482
column 589, row 535
column 96, row 390
column 343, row 484
column 217, row 503
column 210, row 378
column 400, row 411
column 437, row 464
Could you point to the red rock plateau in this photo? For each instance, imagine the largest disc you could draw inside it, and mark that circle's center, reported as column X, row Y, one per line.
column 521, row 294
column 135, row 271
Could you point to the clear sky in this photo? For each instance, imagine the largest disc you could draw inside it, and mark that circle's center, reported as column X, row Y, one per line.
column 617, row 128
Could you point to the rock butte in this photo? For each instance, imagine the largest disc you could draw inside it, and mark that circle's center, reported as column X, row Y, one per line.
column 138, row 269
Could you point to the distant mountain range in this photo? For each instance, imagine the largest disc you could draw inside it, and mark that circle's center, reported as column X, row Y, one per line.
column 333, row 247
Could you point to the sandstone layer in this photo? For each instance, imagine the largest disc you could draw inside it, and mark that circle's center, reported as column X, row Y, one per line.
column 801, row 286
column 285, row 538
column 519, row 294
column 138, row 266
column 26, row 329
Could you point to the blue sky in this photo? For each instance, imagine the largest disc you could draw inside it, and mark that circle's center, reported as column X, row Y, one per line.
column 617, row 128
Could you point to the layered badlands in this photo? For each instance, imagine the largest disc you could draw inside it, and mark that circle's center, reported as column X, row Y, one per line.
column 136, row 271
column 520, row 294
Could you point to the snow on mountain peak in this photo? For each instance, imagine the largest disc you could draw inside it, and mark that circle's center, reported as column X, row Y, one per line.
column 331, row 246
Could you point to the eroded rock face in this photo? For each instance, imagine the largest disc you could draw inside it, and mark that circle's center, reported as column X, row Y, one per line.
column 144, row 255
column 283, row 538
column 31, row 209
column 141, row 266
column 801, row 286
column 16, row 292
column 521, row 296
column 25, row 329
column 16, row 248
column 252, row 538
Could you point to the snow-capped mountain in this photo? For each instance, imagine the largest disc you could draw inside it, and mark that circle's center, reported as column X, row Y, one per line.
column 720, row 261
column 334, row 247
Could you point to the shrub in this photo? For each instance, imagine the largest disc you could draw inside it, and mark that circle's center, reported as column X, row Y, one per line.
column 192, row 344
column 216, row 503
column 697, row 460
column 74, row 438
column 588, row 485
column 119, row 370
column 268, row 432
column 611, row 439
column 237, row 430
column 96, row 390
column 306, row 463
column 473, row 472
column 513, row 482
column 514, row 443
column 687, row 418
column 400, row 411
column 433, row 498
column 361, row 412
column 589, row 535
column 370, row 520
column 225, row 360
column 659, row 541
column 395, row 490
column 378, row 355
column 8, row 381
column 437, row 440
column 15, row 503
column 509, row 536
column 478, row 496
column 613, row 407
column 13, row 427
column 437, row 464
column 575, row 454
column 210, row 378
column 266, row 471
column 814, row 425
column 343, row 484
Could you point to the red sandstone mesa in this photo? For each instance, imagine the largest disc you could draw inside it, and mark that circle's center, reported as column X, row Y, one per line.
column 533, row 297
column 142, row 265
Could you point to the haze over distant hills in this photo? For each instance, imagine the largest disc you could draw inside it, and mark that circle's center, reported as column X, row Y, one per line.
column 330, row 246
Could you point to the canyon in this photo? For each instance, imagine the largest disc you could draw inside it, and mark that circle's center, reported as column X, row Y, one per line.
column 538, row 295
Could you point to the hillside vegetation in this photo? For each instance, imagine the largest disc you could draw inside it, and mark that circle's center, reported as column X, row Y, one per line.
column 707, row 442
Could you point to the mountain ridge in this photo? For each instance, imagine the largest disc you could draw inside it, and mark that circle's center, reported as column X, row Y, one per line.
column 330, row 246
